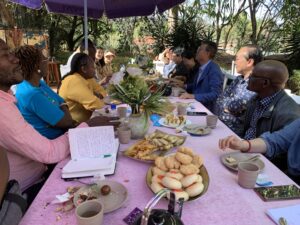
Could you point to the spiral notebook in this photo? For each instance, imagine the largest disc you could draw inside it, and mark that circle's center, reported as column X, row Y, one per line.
column 93, row 152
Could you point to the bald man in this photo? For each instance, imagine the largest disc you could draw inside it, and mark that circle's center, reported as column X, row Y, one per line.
column 272, row 109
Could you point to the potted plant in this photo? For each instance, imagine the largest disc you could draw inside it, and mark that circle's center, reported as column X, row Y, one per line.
column 135, row 92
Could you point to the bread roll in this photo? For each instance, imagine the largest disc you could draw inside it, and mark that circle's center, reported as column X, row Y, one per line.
column 183, row 158
column 156, row 187
column 197, row 161
column 189, row 169
column 171, row 183
column 174, row 174
column 172, row 163
column 157, row 171
column 157, row 178
column 180, row 194
column 160, row 163
column 200, row 179
column 189, row 180
column 186, row 150
column 195, row 189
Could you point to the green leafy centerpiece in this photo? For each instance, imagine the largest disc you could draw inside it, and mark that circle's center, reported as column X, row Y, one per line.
column 135, row 92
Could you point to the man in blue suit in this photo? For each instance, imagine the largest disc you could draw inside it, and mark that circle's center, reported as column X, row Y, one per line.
column 208, row 83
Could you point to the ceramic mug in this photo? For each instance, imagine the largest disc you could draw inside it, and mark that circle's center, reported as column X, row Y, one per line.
column 176, row 92
column 122, row 111
column 124, row 134
column 182, row 109
column 211, row 121
column 89, row 213
column 247, row 174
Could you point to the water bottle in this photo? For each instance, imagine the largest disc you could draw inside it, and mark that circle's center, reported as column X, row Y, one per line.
column 122, row 68
column 113, row 108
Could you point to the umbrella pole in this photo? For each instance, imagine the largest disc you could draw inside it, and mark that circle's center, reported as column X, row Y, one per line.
column 85, row 27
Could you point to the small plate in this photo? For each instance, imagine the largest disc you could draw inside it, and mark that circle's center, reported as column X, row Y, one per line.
column 196, row 130
column 114, row 200
column 238, row 156
column 162, row 122
column 203, row 172
column 108, row 101
column 102, row 112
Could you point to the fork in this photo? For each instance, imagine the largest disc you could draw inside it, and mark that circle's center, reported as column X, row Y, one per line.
column 253, row 158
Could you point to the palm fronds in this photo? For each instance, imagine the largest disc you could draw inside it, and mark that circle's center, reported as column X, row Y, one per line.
column 134, row 91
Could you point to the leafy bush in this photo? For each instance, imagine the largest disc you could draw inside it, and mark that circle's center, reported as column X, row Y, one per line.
column 294, row 82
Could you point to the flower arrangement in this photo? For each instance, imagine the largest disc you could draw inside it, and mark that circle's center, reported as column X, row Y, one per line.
column 135, row 92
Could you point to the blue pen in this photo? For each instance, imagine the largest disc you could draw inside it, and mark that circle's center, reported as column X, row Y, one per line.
column 106, row 155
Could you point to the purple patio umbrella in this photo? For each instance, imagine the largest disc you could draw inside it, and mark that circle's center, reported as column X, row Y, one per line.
column 96, row 8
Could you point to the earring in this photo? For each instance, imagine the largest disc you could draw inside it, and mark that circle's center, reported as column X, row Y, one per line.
column 39, row 71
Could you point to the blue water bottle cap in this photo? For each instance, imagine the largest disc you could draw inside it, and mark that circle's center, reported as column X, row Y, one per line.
column 113, row 106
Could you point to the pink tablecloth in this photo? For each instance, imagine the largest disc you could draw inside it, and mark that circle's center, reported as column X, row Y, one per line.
column 224, row 203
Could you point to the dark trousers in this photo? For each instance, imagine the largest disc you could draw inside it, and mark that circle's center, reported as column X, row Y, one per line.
column 33, row 190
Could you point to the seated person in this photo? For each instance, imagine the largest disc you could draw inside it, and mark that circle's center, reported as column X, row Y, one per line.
column 208, row 83
column 232, row 104
column 107, row 70
column 97, row 88
column 188, row 58
column 27, row 150
column 180, row 72
column 100, row 63
column 45, row 110
column 272, row 108
column 285, row 141
column 4, row 170
column 80, row 49
column 166, row 58
column 77, row 91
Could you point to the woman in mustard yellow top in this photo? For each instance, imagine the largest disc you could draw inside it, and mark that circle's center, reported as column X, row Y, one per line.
column 79, row 89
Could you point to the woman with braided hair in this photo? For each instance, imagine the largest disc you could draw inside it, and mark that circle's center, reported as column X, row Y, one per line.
column 40, row 106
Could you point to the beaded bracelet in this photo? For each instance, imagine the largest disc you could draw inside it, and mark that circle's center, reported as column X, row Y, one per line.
column 249, row 148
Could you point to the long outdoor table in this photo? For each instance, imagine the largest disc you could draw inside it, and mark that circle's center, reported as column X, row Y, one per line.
column 224, row 203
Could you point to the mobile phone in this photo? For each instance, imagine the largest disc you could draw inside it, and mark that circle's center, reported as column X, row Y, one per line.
column 196, row 113
column 278, row 192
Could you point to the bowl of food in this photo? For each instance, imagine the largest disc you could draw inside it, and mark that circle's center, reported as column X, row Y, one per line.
column 182, row 172
column 153, row 145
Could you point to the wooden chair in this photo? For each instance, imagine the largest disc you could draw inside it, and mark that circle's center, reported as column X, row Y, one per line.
column 53, row 77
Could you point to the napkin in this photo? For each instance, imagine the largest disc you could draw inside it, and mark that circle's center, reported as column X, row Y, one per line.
column 290, row 213
column 155, row 118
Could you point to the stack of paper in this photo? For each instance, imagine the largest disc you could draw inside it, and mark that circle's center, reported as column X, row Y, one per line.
column 290, row 213
column 93, row 152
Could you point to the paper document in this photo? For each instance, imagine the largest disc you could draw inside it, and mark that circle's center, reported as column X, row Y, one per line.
column 93, row 152
column 91, row 142
column 290, row 213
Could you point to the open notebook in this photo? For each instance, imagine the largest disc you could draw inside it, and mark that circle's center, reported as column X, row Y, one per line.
column 93, row 152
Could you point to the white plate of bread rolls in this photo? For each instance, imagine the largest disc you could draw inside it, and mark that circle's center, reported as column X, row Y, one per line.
column 182, row 172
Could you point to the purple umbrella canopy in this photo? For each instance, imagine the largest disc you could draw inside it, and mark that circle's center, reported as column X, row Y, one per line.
column 96, row 8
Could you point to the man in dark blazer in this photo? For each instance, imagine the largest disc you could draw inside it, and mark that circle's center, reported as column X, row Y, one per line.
column 208, row 83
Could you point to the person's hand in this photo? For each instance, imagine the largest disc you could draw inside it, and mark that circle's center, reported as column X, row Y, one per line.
column 181, row 78
column 231, row 142
column 98, row 95
column 186, row 96
column 103, row 121
column 176, row 83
